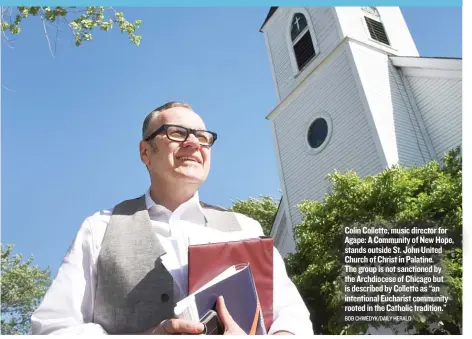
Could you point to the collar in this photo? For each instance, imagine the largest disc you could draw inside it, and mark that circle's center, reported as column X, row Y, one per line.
column 191, row 210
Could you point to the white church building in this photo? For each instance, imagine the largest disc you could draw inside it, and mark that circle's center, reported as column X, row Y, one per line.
column 353, row 94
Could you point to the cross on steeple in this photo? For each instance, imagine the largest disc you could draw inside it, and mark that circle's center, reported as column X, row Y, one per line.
column 297, row 19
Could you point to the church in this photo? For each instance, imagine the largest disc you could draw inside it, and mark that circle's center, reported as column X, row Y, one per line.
column 353, row 93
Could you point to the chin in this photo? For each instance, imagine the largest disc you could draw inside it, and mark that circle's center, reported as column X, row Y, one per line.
column 196, row 178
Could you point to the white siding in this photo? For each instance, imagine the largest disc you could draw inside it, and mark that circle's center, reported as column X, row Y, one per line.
column 282, row 233
column 279, row 228
column 332, row 89
column 279, row 223
column 351, row 21
column 395, row 120
column 324, row 25
column 287, row 244
column 440, row 103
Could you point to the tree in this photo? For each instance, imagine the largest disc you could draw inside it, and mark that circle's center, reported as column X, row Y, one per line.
column 81, row 22
column 23, row 285
column 408, row 196
column 262, row 210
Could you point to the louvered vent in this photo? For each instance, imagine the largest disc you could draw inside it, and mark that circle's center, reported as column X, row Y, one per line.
column 377, row 30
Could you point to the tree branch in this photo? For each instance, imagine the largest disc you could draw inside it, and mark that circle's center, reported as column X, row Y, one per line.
column 57, row 38
column 58, row 29
column 68, row 24
column 72, row 10
column 46, row 34
column 9, row 16
column 7, row 40
column 8, row 89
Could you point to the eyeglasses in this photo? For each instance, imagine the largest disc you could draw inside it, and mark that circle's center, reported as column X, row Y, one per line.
column 180, row 134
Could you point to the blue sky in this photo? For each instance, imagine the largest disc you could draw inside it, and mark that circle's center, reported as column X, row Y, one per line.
column 71, row 124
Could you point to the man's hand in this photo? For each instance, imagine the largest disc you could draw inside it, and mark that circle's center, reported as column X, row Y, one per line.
column 176, row 326
column 231, row 327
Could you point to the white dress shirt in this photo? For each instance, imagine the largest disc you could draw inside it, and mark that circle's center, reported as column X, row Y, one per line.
column 67, row 307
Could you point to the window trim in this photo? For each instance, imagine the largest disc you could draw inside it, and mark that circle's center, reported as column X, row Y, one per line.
column 288, row 38
column 329, row 122
column 370, row 14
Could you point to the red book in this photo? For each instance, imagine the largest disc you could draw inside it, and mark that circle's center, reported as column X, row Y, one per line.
column 209, row 260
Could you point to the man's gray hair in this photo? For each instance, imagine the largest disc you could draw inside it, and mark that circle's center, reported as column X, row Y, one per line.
column 155, row 113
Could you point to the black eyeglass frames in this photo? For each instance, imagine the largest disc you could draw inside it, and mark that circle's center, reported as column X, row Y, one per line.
column 180, row 134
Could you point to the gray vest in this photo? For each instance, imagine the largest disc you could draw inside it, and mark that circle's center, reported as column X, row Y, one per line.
column 134, row 290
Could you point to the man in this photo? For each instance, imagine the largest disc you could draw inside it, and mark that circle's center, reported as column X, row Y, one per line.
column 127, row 267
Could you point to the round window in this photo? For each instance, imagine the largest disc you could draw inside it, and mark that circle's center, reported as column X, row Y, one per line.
column 317, row 133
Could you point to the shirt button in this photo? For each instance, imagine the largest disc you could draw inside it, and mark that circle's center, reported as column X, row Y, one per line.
column 164, row 297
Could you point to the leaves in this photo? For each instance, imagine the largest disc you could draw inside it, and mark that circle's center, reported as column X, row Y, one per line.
column 81, row 25
column 431, row 193
column 23, row 286
column 94, row 16
column 262, row 210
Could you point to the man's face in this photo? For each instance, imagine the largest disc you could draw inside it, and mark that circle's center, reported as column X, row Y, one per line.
column 176, row 162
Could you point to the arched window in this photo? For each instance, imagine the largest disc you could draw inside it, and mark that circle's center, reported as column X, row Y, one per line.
column 375, row 25
column 302, row 41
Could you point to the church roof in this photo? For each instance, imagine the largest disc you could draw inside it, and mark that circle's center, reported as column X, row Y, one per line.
column 271, row 12
column 441, row 64
column 425, row 57
column 429, row 66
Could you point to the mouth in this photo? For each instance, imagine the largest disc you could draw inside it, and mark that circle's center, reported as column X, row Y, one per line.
column 190, row 159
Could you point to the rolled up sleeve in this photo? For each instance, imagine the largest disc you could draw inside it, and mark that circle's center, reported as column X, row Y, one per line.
column 67, row 307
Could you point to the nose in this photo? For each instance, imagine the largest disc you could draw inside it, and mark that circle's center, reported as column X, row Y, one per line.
column 191, row 141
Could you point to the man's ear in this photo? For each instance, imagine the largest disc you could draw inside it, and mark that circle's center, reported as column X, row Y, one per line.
column 144, row 152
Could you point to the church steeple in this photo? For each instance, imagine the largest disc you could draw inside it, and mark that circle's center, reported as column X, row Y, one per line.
column 343, row 104
column 302, row 38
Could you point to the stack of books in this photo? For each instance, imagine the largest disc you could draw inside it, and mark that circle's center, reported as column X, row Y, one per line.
column 241, row 272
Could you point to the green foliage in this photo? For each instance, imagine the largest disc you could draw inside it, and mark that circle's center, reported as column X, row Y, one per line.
column 23, row 286
column 81, row 22
column 262, row 210
column 432, row 193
